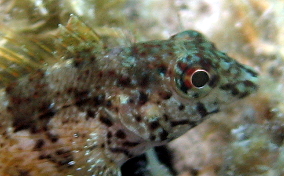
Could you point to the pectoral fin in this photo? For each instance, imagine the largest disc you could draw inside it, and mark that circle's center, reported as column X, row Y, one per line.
column 106, row 170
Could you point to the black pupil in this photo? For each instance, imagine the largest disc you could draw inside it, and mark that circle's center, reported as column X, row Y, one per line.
column 200, row 78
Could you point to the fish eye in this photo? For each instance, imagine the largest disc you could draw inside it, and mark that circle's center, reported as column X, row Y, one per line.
column 197, row 78
column 192, row 81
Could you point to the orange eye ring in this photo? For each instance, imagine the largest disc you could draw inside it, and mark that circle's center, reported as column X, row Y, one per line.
column 196, row 78
column 193, row 80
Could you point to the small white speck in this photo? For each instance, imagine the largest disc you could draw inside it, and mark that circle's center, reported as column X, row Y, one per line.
column 71, row 163
column 123, row 99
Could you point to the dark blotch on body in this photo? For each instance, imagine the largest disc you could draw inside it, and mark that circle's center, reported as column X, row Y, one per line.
column 77, row 62
column 165, row 95
column 22, row 172
column 39, row 144
column 52, row 137
column 244, row 94
column 226, row 86
column 152, row 137
column 82, row 58
column 108, row 103
column 181, row 107
column 48, row 114
column 81, row 97
column 93, row 147
column 154, row 125
column 214, row 81
column 144, row 80
column 99, row 99
column 136, row 166
column 109, row 135
column 130, row 144
column 183, row 87
column 34, row 119
column 63, row 157
column 164, row 135
column 165, row 117
column 251, row 72
column 43, row 156
column 124, row 81
column 138, row 118
column 162, row 69
column 120, row 134
column 90, row 113
column 105, row 120
column 181, row 122
column 235, row 91
column 143, row 98
column 22, row 125
column 201, row 109
column 121, row 150
column 60, row 157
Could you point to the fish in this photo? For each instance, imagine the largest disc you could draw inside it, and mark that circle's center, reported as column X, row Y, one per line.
column 87, row 114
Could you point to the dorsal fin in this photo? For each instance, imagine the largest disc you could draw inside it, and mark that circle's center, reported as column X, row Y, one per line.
column 20, row 55
column 77, row 36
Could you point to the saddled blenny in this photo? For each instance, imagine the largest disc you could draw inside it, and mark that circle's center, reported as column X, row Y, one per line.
column 90, row 112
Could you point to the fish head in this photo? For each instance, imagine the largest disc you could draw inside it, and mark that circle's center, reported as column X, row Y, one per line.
column 178, row 83
column 204, row 74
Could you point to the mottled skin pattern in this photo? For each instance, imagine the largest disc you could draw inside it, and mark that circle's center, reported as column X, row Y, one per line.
column 92, row 112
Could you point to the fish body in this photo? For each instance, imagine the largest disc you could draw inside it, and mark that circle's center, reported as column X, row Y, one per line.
column 90, row 113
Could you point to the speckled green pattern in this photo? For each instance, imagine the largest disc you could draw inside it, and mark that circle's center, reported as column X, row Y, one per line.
column 92, row 112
